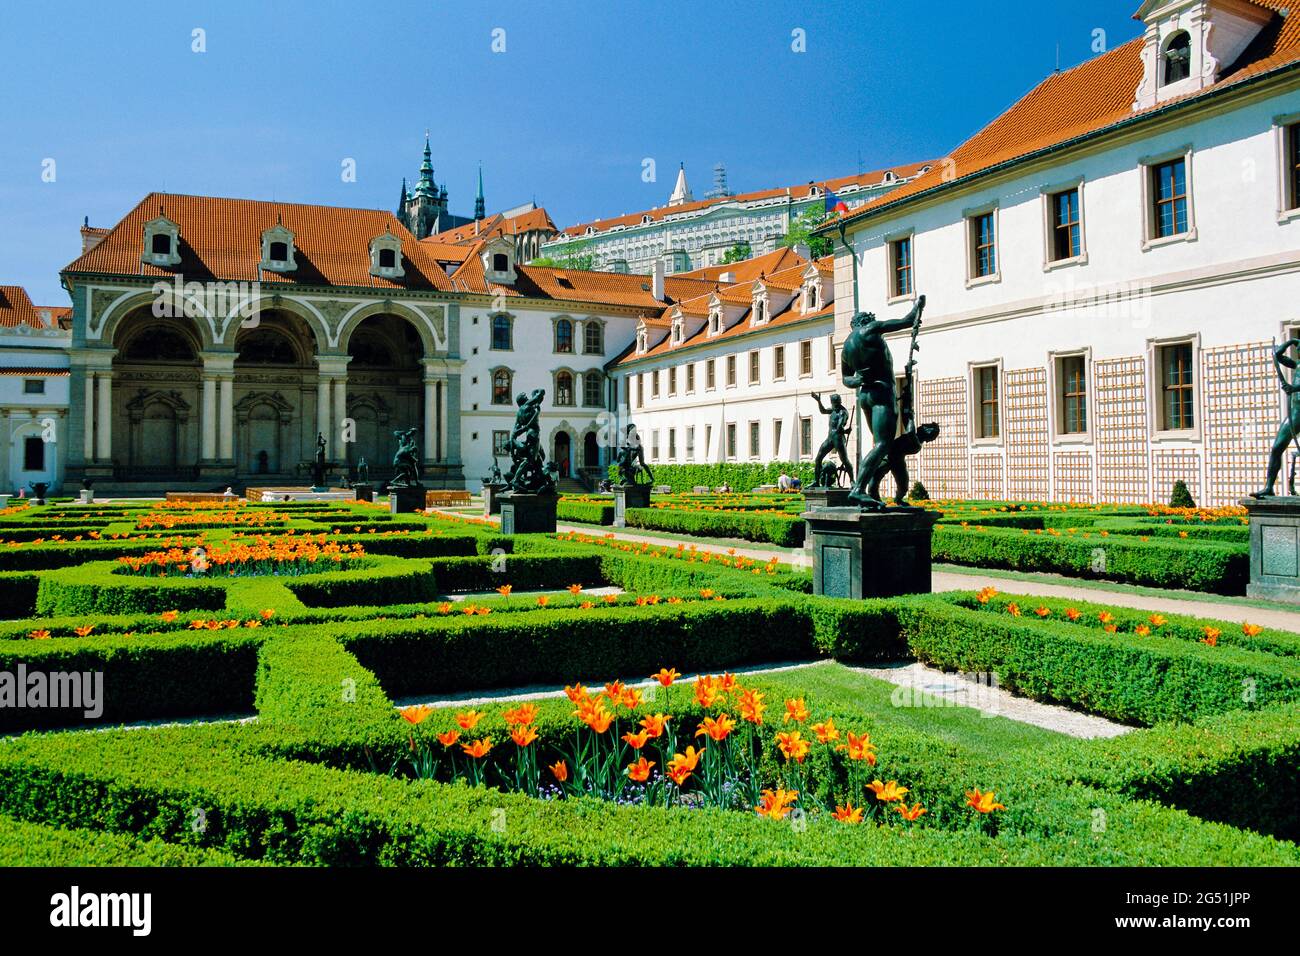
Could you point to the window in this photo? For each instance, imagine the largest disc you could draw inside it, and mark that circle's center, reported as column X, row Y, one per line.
column 731, row 370
column 593, row 338
column 690, row 442
column 1291, row 142
column 984, row 247
column 1169, row 198
column 279, row 252
column 563, row 335
column 387, row 259
column 672, row 444
column 754, row 449
column 593, row 389
column 778, row 362
column 986, row 396
column 654, row 384
column 500, row 262
column 731, row 439
column 500, row 444
column 502, row 337
column 710, row 375
column 776, row 438
column 640, row 390
column 690, row 378
column 900, row 257
column 161, row 244
column 654, row 444
column 672, row 380
column 715, row 322
column 1177, row 387
column 753, row 367
column 1072, row 382
column 805, row 357
column 1177, row 58
column 812, row 297
column 34, row 386
column 501, row 387
column 33, row 453
column 805, row 438
column 1067, row 234
column 760, row 311
column 564, row 389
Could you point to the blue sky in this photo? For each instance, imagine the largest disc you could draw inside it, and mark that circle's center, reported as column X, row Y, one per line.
column 581, row 95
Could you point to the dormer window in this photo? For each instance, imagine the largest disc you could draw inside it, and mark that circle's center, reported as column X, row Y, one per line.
column 1177, row 59
column 278, row 250
column 679, row 330
column 162, row 242
column 386, row 256
column 760, row 311
column 811, row 297
column 642, row 340
column 498, row 259
column 500, row 262
column 715, row 321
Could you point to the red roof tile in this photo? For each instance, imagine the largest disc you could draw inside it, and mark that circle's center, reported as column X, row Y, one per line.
column 16, row 309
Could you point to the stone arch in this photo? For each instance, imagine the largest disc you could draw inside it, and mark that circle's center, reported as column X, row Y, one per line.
column 157, row 422
column 424, row 327
column 262, row 423
column 275, row 303
column 106, row 326
column 569, row 444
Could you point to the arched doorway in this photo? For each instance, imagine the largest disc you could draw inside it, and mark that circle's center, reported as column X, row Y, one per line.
column 273, row 390
column 157, row 376
column 385, row 389
column 562, row 456
column 590, row 451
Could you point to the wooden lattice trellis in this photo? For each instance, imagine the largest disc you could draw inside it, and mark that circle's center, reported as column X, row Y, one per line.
column 1073, row 476
column 1242, row 412
column 1027, row 438
column 1121, row 430
column 942, row 464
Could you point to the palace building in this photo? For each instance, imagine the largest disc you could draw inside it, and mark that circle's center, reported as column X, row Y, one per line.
column 34, row 343
column 1107, row 266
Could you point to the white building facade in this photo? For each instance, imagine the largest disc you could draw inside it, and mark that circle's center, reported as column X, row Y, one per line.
column 1103, row 297
column 34, row 343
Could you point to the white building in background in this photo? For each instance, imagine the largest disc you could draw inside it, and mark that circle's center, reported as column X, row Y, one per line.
column 728, row 375
column 34, row 343
column 687, row 234
column 1106, row 267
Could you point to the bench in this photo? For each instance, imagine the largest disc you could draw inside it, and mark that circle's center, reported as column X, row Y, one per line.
column 662, row 489
column 445, row 498
column 701, row 490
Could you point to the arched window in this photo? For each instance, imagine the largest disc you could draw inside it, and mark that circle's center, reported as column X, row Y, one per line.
column 593, row 338
column 593, row 389
column 563, row 335
column 159, row 344
column 502, row 339
column 564, row 389
column 1178, row 58
column 501, row 387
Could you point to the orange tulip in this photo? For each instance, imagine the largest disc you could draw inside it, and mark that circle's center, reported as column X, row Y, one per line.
column 40, row 635
column 848, row 813
column 576, row 694
column 83, row 630
column 1013, row 609
column 268, row 613
column 169, row 616
column 198, row 624
column 683, row 765
column 482, row 611
column 636, row 740
column 1042, row 611
column 707, row 690
column 777, row 804
column 416, row 714
column 984, row 595
column 610, row 599
column 654, row 724
column 504, row 590
column 444, row 607
column 575, row 589
column 479, row 748
column 559, row 770
column 1072, row 613
column 1251, row 630
column 717, row 729
column 752, row 706
column 887, row 792
column 1105, row 617
column 1142, row 630
column 982, row 802
column 639, row 772
column 615, row 691
column 449, row 737
column 586, row 605
column 1111, row 628
column 523, row 735
column 469, row 719
column 911, row 814
column 666, row 676
column 523, row 714
column 543, row 600
column 826, row 731
column 861, row 748
column 795, row 710
column 1211, row 633
column 793, row 746
column 1157, row 620
column 706, row 593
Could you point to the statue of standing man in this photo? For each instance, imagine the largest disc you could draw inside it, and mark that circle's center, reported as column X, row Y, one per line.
column 838, row 419
column 1290, row 427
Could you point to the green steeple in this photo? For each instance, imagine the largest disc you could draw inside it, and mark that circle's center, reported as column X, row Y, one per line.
column 480, row 207
column 426, row 186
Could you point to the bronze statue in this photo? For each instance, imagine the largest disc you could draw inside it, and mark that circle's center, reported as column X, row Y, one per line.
column 494, row 475
column 318, row 463
column 835, row 442
column 631, row 459
column 1289, row 429
column 529, row 471
column 867, row 365
column 406, row 464
column 363, row 471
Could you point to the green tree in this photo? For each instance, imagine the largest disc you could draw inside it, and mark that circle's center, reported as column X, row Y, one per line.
column 576, row 255
column 800, row 232
column 737, row 253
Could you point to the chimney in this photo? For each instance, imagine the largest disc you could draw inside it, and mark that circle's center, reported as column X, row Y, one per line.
column 802, row 250
column 657, row 281
column 727, row 277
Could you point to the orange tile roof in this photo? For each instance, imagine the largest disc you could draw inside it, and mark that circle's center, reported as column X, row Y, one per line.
column 748, row 270
column 790, row 316
column 1090, row 98
column 34, row 370
column 221, row 239
column 446, row 252
column 16, row 309
column 496, row 225
column 797, row 192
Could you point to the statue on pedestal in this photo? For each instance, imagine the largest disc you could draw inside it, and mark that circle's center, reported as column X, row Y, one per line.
column 406, row 463
column 867, row 365
column 494, row 475
column 318, row 464
column 1289, row 429
column 529, row 472
column 829, row 475
column 363, row 471
column 631, row 459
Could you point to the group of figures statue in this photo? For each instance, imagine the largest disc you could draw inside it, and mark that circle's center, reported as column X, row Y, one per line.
column 631, row 460
column 529, row 471
column 406, row 460
column 867, row 366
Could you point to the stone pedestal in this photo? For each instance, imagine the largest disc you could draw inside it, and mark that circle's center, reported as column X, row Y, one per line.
column 1274, row 548
column 527, row 513
column 820, row 498
column 403, row 501
column 629, row 496
column 859, row 554
column 86, row 496
column 492, row 492
column 364, row 491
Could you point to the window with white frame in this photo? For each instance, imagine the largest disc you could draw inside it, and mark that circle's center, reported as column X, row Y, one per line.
column 1065, row 225
column 1290, row 135
column 776, row 437
column 710, row 375
column 690, row 442
column 640, row 390
column 654, row 384
column 805, row 437
column 755, row 439
column 754, row 367
column 901, row 281
column 731, row 439
column 690, row 378
column 1072, row 394
column 983, row 240
column 731, row 370
column 672, row 380
column 1168, row 208
column 986, row 381
column 805, row 358
column 778, row 362
column 1175, row 366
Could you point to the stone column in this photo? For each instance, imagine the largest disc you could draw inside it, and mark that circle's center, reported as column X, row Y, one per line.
column 431, row 449
column 90, row 416
column 209, row 418
column 338, row 448
column 104, row 416
column 226, row 426
column 442, row 422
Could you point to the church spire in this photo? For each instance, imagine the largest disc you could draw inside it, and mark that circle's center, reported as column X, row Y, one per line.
column 681, row 191
column 426, row 186
column 480, row 207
